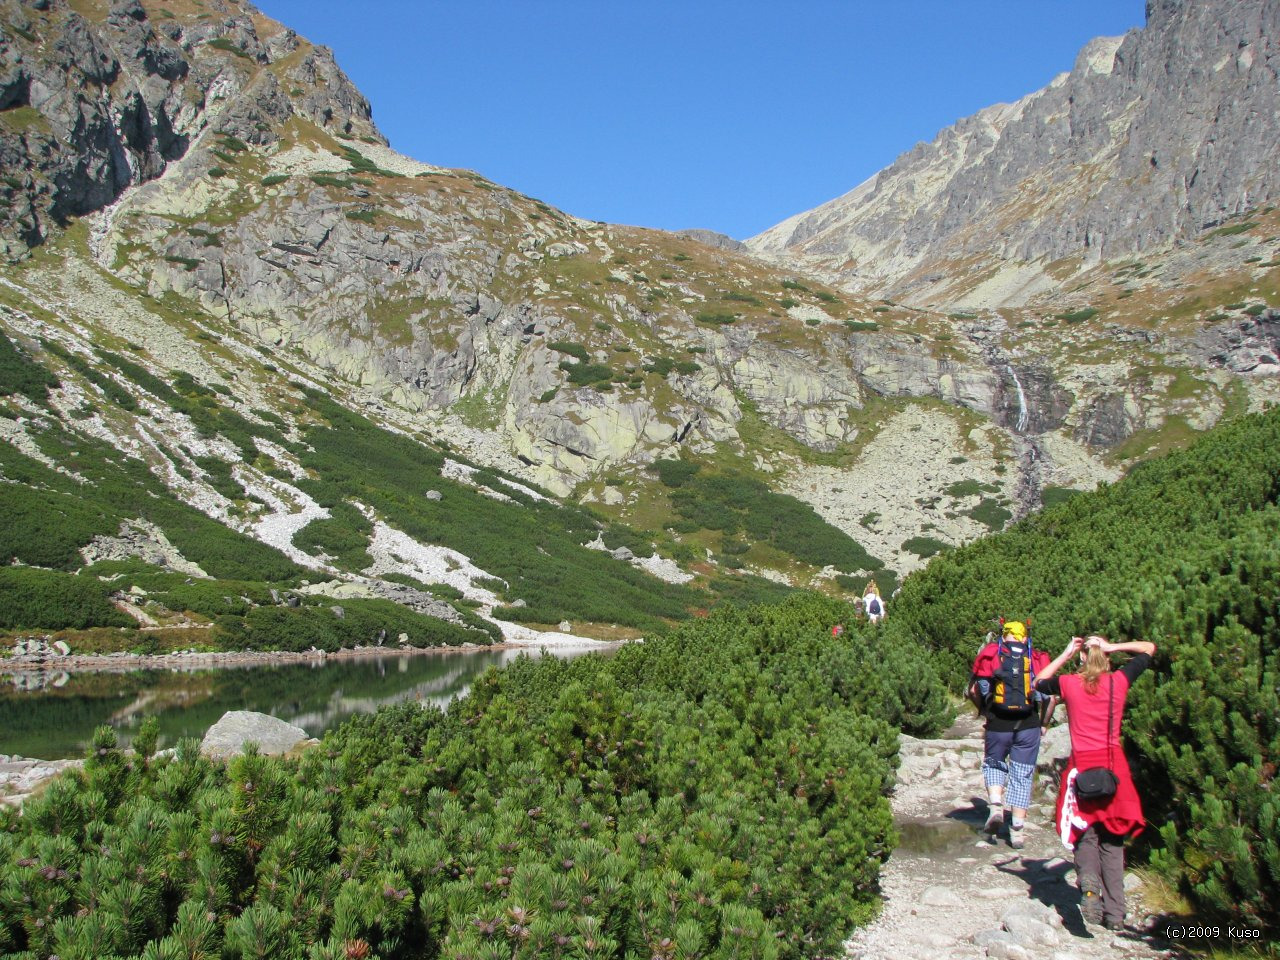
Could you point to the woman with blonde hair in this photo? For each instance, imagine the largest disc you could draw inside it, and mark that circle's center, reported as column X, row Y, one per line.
column 1097, row 809
column 872, row 602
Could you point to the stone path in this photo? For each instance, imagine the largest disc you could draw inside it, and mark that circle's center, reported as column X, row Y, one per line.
column 952, row 895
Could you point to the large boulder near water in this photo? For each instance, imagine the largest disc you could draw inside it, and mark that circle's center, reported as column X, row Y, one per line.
column 227, row 737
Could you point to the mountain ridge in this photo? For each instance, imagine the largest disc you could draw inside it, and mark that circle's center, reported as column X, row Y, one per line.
column 289, row 249
column 1147, row 142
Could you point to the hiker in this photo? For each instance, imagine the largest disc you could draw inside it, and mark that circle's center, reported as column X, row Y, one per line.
column 1098, row 805
column 1016, row 717
column 872, row 603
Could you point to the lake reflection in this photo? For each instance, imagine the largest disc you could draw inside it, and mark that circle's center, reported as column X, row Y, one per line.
column 57, row 718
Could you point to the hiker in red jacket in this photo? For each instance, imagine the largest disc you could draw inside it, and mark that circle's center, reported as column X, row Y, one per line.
column 1096, row 826
column 1001, row 686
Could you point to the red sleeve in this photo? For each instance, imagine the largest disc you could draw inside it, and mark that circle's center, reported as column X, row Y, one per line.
column 1039, row 660
column 984, row 665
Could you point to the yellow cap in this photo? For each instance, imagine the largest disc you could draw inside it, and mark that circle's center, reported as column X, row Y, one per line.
column 1014, row 628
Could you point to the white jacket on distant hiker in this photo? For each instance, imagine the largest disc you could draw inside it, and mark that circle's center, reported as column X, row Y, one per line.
column 872, row 604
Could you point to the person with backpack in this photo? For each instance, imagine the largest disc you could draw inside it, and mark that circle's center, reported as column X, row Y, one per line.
column 1098, row 805
column 1002, row 685
column 872, row 603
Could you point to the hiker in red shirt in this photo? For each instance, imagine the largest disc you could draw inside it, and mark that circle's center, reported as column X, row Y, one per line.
column 1001, row 687
column 1097, row 810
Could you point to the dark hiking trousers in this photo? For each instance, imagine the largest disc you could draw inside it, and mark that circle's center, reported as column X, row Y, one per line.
column 1100, row 869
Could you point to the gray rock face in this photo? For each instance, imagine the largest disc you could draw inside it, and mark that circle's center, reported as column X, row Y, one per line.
column 1149, row 140
column 713, row 239
column 1247, row 346
column 95, row 107
column 273, row 736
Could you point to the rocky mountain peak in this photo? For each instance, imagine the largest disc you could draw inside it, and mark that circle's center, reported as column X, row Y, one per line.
column 1149, row 141
column 98, row 97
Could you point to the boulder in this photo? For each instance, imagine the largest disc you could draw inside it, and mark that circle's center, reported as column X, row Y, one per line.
column 227, row 737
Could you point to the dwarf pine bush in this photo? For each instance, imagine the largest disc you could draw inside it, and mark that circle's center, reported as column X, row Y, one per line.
column 1181, row 552
column 718, row 792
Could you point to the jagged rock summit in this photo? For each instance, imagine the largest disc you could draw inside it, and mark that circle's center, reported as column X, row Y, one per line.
column 1150, row 140
column 97, row 102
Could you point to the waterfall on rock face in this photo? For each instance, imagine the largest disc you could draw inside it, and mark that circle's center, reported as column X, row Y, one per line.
column 1023, row 412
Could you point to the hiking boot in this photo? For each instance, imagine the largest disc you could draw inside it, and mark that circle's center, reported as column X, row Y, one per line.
column 1115, row 925
column 1091, row 907
column 995, row 820
column 1016, row 838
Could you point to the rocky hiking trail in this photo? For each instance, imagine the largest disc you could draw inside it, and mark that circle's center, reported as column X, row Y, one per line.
column 950, row 894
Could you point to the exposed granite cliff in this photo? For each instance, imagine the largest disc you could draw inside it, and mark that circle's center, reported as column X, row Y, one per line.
column 93, row 104
column 1149, row 140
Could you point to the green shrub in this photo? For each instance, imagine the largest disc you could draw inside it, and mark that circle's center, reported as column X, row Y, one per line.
column 1182, row 552
column 362, row 623
column 991, row 514
column 274, row 179
column 533, row 545
column 964, row 488
column 21, row 375
column 1053, row 496
column 218, row 473
column 329, row 180
column 583, row 374
column 1232, row 229
column 674, row 473
column 226, row 44
column 114, row 392
column 48, row 600
column 725, row 786
column 732, row 502
column 862, row 326
column 1077, row 316
column 575, row 350
column 343, row 535
column 924, row 547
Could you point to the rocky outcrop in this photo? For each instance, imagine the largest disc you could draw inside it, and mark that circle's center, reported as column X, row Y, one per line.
column 713, row 239
column 93, row 106
column 1149, row 140
column 1249, row 346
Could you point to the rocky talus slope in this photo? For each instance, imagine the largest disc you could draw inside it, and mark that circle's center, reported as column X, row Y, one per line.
column 1149, row 141
column 950, row 894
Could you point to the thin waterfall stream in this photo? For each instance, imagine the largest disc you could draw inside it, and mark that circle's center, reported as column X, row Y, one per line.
column 1024, row 414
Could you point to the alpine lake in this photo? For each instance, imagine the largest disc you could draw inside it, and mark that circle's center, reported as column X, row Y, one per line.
column 52, row 714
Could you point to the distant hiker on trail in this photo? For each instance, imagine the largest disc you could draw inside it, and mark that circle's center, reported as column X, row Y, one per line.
column 872, row 603
column 1098, row 805
column 1001, row 685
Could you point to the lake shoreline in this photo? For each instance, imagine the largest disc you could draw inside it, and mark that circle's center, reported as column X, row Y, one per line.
column 127, row 662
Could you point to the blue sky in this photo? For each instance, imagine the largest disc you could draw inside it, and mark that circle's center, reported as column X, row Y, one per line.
column 690, row 113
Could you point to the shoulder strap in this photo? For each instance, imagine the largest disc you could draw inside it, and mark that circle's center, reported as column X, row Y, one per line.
column 1111, row 707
